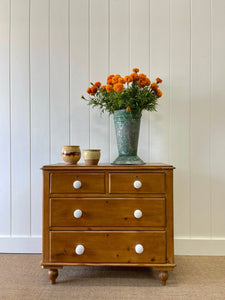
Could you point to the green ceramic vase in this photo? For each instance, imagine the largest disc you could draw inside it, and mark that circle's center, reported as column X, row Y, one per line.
column 127, row 126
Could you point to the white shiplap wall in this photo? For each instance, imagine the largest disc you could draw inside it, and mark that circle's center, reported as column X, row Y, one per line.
column 49, row 52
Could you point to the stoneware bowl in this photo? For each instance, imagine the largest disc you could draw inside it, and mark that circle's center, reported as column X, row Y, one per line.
column 91, row 156
column 71, row 154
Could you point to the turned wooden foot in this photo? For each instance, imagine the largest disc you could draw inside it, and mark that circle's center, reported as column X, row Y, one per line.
column 52, row 275
column 163, row 276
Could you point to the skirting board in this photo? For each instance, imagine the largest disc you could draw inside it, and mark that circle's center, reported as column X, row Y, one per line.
column 183, row 246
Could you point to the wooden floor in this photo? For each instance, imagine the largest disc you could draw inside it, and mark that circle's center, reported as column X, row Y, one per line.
column 21, row 277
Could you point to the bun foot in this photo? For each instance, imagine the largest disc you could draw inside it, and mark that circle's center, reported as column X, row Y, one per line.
column 52, row 275
column 163, row 276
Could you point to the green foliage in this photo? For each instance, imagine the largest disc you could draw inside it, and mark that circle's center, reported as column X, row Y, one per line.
column 133, row 96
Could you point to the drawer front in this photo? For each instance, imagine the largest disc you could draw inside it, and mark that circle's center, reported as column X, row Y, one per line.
column 107, row 212
column 108, row 246
column 149, row 183
column 77, row 183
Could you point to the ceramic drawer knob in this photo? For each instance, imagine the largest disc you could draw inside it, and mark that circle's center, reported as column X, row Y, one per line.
column 137, row 184
column 139, row 249
column 138, row 213
column 77, row 184
column 79, row 249
column 77, row 213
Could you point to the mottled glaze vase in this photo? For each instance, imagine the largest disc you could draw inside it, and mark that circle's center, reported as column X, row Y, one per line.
column 71, row 154
column 127, row 126
column 91, row 156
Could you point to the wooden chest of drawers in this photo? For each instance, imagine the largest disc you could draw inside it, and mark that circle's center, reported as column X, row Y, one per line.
column 108, row 215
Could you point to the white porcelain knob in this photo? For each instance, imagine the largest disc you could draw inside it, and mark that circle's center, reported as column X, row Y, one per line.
column 77, row 213
column 138, row 213
column 79, row 249
column 77, row 184
column 139, row 249
column 137, row 184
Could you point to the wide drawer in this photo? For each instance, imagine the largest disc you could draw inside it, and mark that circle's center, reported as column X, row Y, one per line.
column 77, row 183
column 108, row 246
column 149, row 183
column 107, row 212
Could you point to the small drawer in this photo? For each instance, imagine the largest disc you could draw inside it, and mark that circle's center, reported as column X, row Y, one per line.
column 107, row 212
column 137, row 183
column 77, row 183
column 107, row 246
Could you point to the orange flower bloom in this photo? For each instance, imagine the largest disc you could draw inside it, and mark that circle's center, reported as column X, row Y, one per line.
column 94, row 89
column 103, row 88
column 115, row 80
column 118, row 87
column 128, row 109
column 109, row 81
column 98, row 84
column 110, row 77
column 121, row 80
column 148, row 82
column 159, row 93
column 142, row 83
column 126, row 78
column 134, row 76
column 142, row 76
column 109, row 88
column 136, row 70
column 89, row 90
column 158, row 80
column 154, row 86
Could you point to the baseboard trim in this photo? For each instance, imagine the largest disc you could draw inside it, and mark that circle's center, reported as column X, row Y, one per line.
column 199, row 246
column 182, row 245
column 21, row 244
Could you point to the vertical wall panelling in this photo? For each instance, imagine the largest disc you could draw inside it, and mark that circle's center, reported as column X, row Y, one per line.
column 159, row 67
column 59, row 77
column 79, row 72
column 5, row 117
column 39, row 62
column 200, row 105
column 99, row 124
column 218, row 118
column 139, row 49
column 20, row 113
column 119, row 52
column 180, row 97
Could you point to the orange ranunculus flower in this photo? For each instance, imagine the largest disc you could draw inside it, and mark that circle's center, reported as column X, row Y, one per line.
column 134, row 76
column 136, row 70
column 103, row 87
column 158, row 80
column 128, row 109
column 159, row 93
column 148, row 82
column 109, row 88
column 98, row 84
column 89, row 90
column 154, row 86
column 121, row 80
column 110, row 77
column 142, row 76
column 118, row 87
column 94, row 89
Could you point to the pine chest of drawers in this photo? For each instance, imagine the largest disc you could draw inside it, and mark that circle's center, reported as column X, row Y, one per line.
column 108, row 215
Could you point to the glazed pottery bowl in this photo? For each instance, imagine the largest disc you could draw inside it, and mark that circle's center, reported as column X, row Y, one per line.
column 71, row 154
column 91, row 156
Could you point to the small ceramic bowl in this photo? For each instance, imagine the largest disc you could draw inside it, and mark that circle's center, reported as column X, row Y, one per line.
column 91, row 156
column 71, row 154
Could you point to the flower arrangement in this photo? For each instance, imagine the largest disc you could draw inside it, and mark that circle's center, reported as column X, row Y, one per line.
column 134, row 92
